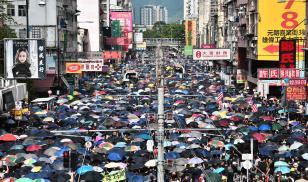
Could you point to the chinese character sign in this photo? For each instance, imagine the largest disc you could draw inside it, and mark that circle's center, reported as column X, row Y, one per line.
column 296, row 93
column 190, row 32
column 125, row 18
column 25, row 59
column 287, row 53
column 280, row 20
column 211, row 54
column 275, row 73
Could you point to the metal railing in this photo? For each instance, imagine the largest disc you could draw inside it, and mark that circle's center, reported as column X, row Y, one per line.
column 7, row 83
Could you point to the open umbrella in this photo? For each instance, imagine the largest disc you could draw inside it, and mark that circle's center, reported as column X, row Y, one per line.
column 106, row 145
column 219, row 170
column 216, row 143
column 8, row 137
column 295, row 145
column 280, row 164
column 83, row 169
column 151, row 163
column 283, row 170
column 195, row 160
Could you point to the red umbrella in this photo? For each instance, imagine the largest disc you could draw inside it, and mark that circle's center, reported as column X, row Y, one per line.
column 32, row 148
column 223, row 123
column 267, row 118
column 235, row 118
column 8, row 137
column 259, row 136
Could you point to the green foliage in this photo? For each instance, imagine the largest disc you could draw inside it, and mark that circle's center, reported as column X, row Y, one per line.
column 163, row 30
column 3, row 16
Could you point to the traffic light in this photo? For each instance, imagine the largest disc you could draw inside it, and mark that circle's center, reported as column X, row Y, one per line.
column 66, row 159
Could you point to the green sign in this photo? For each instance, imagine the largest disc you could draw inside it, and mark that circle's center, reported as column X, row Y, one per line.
column 188, row 51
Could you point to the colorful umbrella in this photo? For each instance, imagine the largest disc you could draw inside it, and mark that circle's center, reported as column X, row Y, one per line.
column 216, row 143
column 106, row 145
column 132, row 148
column 283, row 170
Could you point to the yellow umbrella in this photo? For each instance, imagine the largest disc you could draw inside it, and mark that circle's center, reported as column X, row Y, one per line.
column 36, row 169
column 151, row 85
column 75, row 93
column 109, row 97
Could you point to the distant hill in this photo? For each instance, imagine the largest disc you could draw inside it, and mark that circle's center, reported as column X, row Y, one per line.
column 175, row 8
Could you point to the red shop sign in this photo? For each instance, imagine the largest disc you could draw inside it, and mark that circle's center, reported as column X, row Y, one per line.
column 287, row 53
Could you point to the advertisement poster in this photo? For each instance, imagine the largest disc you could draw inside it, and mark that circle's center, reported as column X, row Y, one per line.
column 25, row 59
column 190, row 32
column 278, row 20
column 73, row 67
column 125, row 18
column 296, row 93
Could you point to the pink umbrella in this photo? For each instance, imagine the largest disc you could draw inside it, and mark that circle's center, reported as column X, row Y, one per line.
column 32, row 148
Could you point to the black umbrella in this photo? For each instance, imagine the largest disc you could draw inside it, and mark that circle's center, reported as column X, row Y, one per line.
column 91, row 176
column 60, row 176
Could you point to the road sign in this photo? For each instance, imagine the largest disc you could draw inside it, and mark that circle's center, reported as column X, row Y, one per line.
column 247, row 164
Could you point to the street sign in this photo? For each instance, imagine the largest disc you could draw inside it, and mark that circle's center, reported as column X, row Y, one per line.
column 211, row 54
column 247, row 164
column 247, row 157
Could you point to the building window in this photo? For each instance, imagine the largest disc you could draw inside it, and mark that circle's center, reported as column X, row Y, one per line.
column 10, row 10
column 36, row 32
column 22, row 33
column 22, row 10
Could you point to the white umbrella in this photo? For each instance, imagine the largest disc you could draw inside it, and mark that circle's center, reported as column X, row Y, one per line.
column 195, row 160
column 305, row 156
column 295, row 145
column 238, row 140
column 283, row 148
column 151, row 163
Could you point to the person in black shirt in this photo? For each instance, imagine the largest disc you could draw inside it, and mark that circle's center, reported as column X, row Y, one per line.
column 22, row 64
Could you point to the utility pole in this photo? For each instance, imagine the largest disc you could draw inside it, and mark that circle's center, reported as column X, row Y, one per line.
column 160, row 114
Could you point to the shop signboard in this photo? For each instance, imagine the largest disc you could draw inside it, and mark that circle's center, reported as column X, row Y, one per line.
column 211, row 54
column 296, row 93
column 276, row 73
column 287, row 53
column 73, row 68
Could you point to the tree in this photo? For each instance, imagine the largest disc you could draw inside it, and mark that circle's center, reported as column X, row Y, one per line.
column 163, row 30
column 4, row 17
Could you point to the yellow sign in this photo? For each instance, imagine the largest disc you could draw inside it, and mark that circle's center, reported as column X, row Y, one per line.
column 190, row 32
column 279, row 20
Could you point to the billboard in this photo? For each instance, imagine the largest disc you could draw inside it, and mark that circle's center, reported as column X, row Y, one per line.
column 123, row 41
column 211, row 54
column 92, row 66
column 112, row 55
column 73, row 68
column 138, row 37
column 125, row 18
column 287, row 53
column 276, row 21
column 25, row 59
column 190, row 32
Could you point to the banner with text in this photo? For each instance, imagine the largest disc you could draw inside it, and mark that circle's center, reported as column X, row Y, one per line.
column 211, row 54
column 278, row 20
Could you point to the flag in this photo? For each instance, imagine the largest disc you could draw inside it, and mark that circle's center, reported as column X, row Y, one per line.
column 220, row 97
column 254, row 108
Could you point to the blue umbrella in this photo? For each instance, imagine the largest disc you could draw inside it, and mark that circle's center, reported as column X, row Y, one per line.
column 252, row 128
column 144, row 136
column 264, row 127
column 218, row 170
column 172, row 155
column 115, row 156
column 283, row 170
column 83, row 169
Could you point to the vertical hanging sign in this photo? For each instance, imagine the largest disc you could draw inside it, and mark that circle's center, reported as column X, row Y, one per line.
column 287, row 53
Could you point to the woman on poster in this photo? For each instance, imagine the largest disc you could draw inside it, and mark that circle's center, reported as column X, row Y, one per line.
column 22, row 64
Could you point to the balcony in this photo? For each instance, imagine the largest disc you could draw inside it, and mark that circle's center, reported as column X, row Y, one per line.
column 242, row 42
column 241, row 2
column 242, row 21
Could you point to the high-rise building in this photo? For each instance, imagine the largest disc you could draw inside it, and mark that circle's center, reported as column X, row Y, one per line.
column 191, row 9
column 151, row 14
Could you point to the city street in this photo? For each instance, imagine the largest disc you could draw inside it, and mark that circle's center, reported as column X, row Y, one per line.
column 153, row 91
